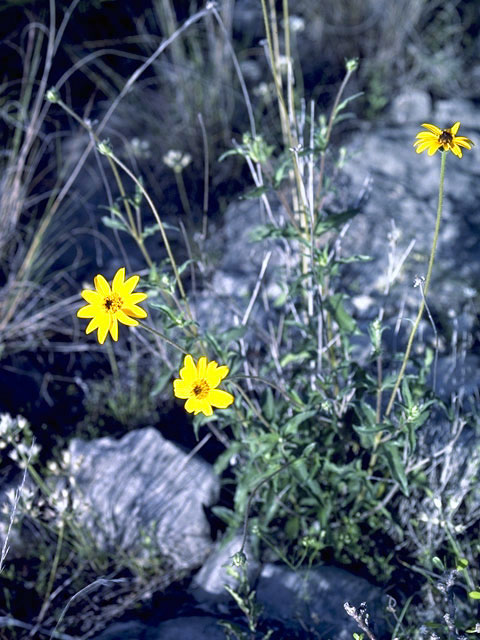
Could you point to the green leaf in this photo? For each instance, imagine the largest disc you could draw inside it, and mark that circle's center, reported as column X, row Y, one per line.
column 257, row 192
column 223, row 460
column 263, row 231
column 280, row 172
column 114, row 223
column 161, row 383
column 292, row 527
column 232, row 152
column 269, row 405
column 406, row 395
column 369, row 414
column 345, row 102
column 174, row 317
column 308, row 449
column 234, row 334
column 228, row 516
column 293, row 423
column 343, row 318
column 294, row 357
column 355, row 258
column 438, row 564
column 368, row 430
column 462, row 563
column 282, row 297
column 395, row 464
column 475, row 595
column 335, row 221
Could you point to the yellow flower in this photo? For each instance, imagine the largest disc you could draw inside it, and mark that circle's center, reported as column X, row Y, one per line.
column 445, row 139
column 107, row 307
column 197, row 384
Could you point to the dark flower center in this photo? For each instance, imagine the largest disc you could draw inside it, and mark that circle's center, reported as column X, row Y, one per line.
column 113, row 303
column 200, row 389
column 445, row 138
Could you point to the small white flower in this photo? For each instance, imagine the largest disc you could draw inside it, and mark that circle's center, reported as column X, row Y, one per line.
column 284, row 63
column 140, row 148
column 297, row 24
column 53, row 467
column 177, row 160
column 454, row 503
column 11, row 495
column 59, row 500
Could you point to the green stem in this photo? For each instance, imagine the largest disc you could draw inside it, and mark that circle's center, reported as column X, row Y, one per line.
column 182, row 192
column 252, row 495
column 53, row 573
column 162, row 231
column 425, row 289
column 162, row 336
column 133, row 229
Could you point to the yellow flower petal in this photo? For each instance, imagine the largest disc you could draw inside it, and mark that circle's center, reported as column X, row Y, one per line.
column 118, row 279
column 464, row 142
column 189, row 370
column 114, row 328
column 220, row 399
column 181, row 389
column 192, row 404
column 104, row 326
column 87, row 312
column 92, row 297
column 92, row 325
column 454, row 128
column 434, row 147
column 203, row 406
column 432, row 128
column 125, row 318
column 130, row 284
column 215, row 374
column 426, row 135
column 101, row 285
column 134, row 312
column 422, row 146
column 202, row 367
column 135, row 298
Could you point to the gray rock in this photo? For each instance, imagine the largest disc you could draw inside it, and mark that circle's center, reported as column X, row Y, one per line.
column 144, row 484
column 237, row 271
column 457, row 375
column 208, row 586
column 124, row 631
column 412, row 106
column 314, row 599
column 192, row 628
column 446, row 112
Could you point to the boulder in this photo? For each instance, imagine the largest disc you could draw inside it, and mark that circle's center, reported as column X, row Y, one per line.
column 313, row 599
column 143, row 485
column 208, row 585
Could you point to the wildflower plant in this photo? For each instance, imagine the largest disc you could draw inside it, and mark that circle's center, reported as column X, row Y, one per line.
column 320, row 470
column 433, row 140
